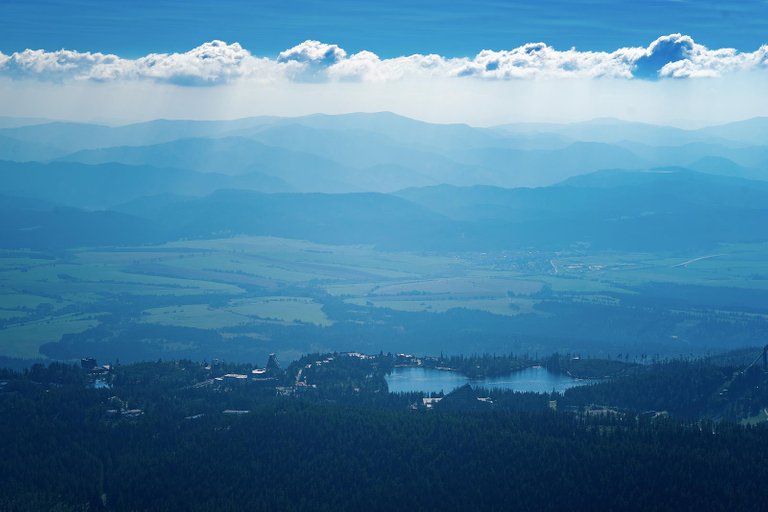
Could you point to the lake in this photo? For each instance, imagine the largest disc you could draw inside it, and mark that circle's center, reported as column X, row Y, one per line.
column 536, row 378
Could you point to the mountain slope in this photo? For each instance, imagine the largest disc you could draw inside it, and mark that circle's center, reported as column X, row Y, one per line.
column 367, row 218
column 25, row 224
column 232, row 156
column 25, row 151
column 104, row 185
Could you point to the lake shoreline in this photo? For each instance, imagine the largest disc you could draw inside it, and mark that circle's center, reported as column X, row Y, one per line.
column 531, row 378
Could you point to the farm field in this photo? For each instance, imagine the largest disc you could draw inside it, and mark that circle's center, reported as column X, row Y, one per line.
column 500, row 306
column 239, row 312
column 23, row 339
column 247, row 283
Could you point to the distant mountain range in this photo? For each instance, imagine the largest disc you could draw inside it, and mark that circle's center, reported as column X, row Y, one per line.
column 384, row 152
column 385, row 180
column 627, row 210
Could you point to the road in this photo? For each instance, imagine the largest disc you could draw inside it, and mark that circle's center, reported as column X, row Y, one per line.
column 686, row 263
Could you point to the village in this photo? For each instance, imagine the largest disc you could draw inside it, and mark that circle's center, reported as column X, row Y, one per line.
column 321, row 376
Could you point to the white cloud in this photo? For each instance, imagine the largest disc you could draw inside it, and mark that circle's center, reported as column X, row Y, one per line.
column 313, row 52
column 368, row 67
column 216, row 62
column 57, row 65
column 702, row 62
column 212, row 63
column 309, row 60
column 535, row 60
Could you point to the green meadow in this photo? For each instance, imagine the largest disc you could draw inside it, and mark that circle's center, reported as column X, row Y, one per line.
column 251, row 281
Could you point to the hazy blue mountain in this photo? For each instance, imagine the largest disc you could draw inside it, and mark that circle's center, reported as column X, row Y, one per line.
column 379, row 152
column 608, row 130
column 365, row 218
column 676, row 178
column 725, row 167
column 231, row 156
column 433, row 137
column 409, row 132
column 666, row 209
column 386, row 165
column 76, row 136
column 166, row 130
column 355, row 148
column 23, row 203
column 25, row 151
column 152, row 207
column 13, row 122
column 676, row 189
column 684, row 155
column 63, row 136
column 29, row 224
column 751, row 131
column 404, row 132
column 104, row 185
column 652, row 210
column 387, row 178
column 383, row 151
column 483, row 203
column 544, row 167
column 301, row 170
column 70, row 137
column 382, row 167
column 612, row 131
column 364, row 149
column 534, row 141
column 398, row 129
column 662, row 209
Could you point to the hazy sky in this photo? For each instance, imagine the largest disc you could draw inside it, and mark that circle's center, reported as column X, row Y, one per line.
column 481, row 62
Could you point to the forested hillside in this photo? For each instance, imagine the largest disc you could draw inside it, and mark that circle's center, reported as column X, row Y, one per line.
column 155, row 440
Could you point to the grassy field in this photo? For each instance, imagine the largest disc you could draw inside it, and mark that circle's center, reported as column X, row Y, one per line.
column 23, row 299
column 740, row 266
column 760, row 417
column 24, row 340
column 501, row 306
column 242, row 281
column 200, row 316
column 286, row 309
column 239, row 312
column 7, row 314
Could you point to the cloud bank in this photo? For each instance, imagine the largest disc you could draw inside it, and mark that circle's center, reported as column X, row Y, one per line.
column 674, row 56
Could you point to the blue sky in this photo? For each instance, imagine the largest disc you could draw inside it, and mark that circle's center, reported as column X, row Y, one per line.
column 389, row 28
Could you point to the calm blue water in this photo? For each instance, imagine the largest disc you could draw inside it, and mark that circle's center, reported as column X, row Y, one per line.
column 536, row 379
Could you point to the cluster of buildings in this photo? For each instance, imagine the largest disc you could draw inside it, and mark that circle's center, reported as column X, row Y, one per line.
column 269, row 373
column 98, row 374
column 119, row 409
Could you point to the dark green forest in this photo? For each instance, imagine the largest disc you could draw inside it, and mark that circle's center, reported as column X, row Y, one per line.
column 170, row 436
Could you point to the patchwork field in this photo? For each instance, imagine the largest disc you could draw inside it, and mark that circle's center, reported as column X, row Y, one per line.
column 23, row 339
column 239, row 312
column 250, row 282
